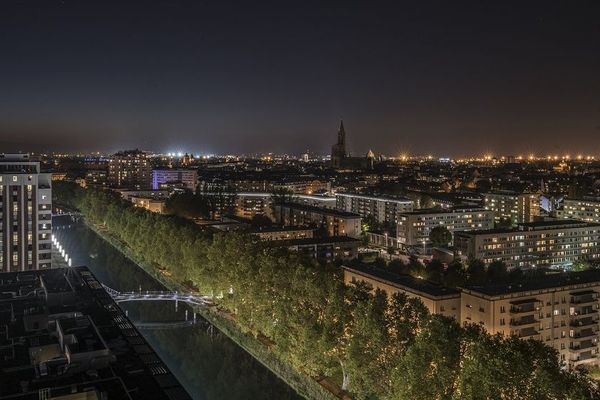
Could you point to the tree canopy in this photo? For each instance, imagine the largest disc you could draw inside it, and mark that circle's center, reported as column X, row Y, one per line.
column 440, row 236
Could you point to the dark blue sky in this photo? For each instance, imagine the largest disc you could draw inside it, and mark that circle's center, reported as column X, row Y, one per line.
column 442, row 77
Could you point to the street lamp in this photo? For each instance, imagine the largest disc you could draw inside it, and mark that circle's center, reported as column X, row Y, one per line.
column 386, row 245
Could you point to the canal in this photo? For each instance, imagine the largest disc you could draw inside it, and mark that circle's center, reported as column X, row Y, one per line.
column 207, row 363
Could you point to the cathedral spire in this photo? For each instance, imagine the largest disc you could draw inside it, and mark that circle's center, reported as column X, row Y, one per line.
column 338, row 150
column 342, row 134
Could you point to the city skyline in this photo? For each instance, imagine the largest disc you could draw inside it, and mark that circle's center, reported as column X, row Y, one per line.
column 429, row 78
column 299, row 200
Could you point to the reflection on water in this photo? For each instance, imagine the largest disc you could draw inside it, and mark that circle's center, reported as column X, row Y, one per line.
column 207, row 363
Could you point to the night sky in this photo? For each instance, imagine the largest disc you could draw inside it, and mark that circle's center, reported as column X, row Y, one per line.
column 442, row 77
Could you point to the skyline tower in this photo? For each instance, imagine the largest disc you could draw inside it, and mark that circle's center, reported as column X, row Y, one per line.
column 25, row 214
column 338, row 150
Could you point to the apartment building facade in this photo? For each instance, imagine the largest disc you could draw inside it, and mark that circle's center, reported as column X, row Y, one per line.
column 174, row 177
column 413, row 228
column 437, row 299
column 557, row 243
column 560, row 310
column 25, row 214
column 516, row 207
column 386, row 210
column 323, row 248
column 334, row 222
column 130, row 170
column 583, row 209
column 249, row 204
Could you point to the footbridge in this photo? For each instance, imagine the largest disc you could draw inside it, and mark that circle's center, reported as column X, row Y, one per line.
column 147, row 295
column 188, row 298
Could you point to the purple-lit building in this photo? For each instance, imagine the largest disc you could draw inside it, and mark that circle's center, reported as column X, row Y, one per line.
column 179, row 178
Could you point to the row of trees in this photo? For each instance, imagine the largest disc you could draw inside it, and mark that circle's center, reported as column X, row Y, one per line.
column 377, row 347
column 455, row 274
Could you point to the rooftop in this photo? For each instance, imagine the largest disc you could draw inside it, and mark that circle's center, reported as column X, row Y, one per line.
column 65, row 336
column 406, row 282
column 533, row 226
column 8, row 157
column 454, row 210
column 384, row 198
column 507, row 193
column 550, row 281
column 586, row 199
column 313, row 240
column 321, row 210
column 276, row 228
column 558, row 223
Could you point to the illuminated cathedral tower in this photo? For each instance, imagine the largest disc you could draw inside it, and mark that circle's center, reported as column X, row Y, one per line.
column 338, row 150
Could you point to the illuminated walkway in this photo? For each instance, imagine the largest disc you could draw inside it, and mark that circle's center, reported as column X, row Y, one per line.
column 147, row 295
column 188, row 298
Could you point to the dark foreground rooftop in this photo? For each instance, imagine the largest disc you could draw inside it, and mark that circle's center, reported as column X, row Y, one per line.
column 63, row 337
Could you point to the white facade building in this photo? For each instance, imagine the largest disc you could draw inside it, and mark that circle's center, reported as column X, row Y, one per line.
column 414, row 227
column 386, row 209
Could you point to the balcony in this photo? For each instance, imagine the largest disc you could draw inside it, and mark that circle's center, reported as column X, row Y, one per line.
column 588, row 321
column 528, row 333
column 586, row 297
column 524, row 321
column 584, row 312
column 583, row 346
column 527, row 306
column 585, row 332
column 585, row 358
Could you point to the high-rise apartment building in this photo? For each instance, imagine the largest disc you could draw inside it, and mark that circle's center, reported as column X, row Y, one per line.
column 25, row 214
column 130, row 169
column 516, row 207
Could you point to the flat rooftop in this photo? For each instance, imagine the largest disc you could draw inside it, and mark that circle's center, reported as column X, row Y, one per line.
column 557, row 223
column 273, row 229
column 407, row 282
column 326, row 211
column 65, row 337
column 379, row 198
column 583, row 199
column 534, row 226
column 550, row 281
column 313, row 240
column 453, row 210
